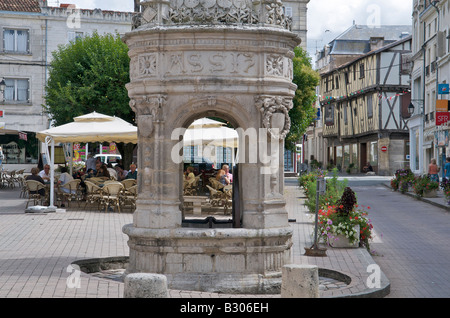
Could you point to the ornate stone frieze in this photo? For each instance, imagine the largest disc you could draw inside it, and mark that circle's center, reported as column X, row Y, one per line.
column 200, row 63
column 268, row 106
column 241, row 12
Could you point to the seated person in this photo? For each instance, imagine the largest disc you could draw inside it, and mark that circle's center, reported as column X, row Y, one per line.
column 121, row 174
column 189, row 174
column 89, row 173
column 112, row 171
column 226, row 168
column 45, row 174
column 64, row 178
column 103, row 172
column 132, row 174
column 35, row 176
column 222, row 177
column 368, row 167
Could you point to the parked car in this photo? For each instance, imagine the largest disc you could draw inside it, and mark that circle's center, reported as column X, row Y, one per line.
column 109, row 158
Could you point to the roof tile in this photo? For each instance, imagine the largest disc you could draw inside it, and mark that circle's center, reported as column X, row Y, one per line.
column 20, row 5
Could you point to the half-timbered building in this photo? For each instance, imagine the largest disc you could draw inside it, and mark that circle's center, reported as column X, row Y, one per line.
column 365, row 109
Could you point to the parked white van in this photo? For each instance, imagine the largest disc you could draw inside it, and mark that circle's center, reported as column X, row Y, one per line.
column 108, row 158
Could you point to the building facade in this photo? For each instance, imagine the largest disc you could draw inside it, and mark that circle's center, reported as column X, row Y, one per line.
column 356, row 41
column 30, row 31
column 364, row 104
column 431, row 69
column 297, row 9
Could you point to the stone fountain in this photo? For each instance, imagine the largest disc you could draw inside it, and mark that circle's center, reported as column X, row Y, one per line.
column 201, row 58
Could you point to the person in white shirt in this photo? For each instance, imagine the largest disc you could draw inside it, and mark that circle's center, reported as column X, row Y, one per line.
column 112, row 171
column 63, row 179
column 45, row 174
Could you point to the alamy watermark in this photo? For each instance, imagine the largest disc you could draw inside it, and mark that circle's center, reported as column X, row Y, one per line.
column 374, row 279
column 255, row 146
column 374, row 18
column 74, row 279
column 74, row 17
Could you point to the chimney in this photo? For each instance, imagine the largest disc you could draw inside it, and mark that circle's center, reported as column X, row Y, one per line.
column 376, row 43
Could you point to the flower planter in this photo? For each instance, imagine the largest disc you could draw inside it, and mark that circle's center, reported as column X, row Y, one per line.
column 430, row 194
column 341, row 241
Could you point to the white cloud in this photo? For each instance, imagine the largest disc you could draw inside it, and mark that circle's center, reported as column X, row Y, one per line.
column 338, row 15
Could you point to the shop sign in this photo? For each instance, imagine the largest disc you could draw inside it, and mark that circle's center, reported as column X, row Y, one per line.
column 442, row 118
column 443, row 88
column 442, row 105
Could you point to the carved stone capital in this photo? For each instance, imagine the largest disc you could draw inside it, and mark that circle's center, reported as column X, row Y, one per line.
column 148, row 109
column 270, row 105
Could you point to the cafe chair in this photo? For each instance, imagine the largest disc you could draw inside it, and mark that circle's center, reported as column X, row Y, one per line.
column 33, row 188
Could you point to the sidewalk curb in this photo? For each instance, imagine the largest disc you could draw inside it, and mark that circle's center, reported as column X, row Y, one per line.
column 427, row 200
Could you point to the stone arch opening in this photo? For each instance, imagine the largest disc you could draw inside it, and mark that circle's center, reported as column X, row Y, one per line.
column 210, row 149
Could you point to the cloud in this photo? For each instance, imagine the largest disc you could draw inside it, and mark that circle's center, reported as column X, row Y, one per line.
column 336, row 16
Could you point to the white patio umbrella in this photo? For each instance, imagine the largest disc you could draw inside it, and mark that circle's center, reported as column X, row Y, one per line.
column 210, row 132
column 92, row 127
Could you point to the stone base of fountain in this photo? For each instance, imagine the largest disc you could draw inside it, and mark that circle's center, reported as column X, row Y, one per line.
column 238, row 261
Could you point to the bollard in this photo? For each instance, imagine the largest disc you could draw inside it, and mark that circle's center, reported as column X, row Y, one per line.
column 300, row 281
column 145, row 285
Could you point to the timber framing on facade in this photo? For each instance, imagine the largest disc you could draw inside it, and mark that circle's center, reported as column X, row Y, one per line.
column 364, row 105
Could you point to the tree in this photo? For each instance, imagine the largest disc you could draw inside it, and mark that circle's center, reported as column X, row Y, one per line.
column 89, row 75
column 303, row 112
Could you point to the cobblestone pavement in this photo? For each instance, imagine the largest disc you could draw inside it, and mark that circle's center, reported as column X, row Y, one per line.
column 36, row 251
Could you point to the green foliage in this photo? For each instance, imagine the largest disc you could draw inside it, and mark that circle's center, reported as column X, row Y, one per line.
column 303, row 112
column 334, row 190
column 89, row 75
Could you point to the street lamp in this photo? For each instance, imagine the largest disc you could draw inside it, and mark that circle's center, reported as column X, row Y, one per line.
column 411, row 109
column 2, row 85
column 2, row 89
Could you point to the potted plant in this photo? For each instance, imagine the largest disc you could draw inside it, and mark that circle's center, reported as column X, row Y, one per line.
column 425, row 187
column 345, row 224
column 403, row 180
column 447, row 196
column 445, row 186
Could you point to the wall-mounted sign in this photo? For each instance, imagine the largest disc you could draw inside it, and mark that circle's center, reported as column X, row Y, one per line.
column 442, row 105
column 2, row 113
column 443, row 88
column 384, row 148
column 442, row 118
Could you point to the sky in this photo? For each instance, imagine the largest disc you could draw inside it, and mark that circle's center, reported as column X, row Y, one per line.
column 326, row 18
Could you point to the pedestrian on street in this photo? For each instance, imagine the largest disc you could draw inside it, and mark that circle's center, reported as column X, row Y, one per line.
column 447, row 168
column 433, row 170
